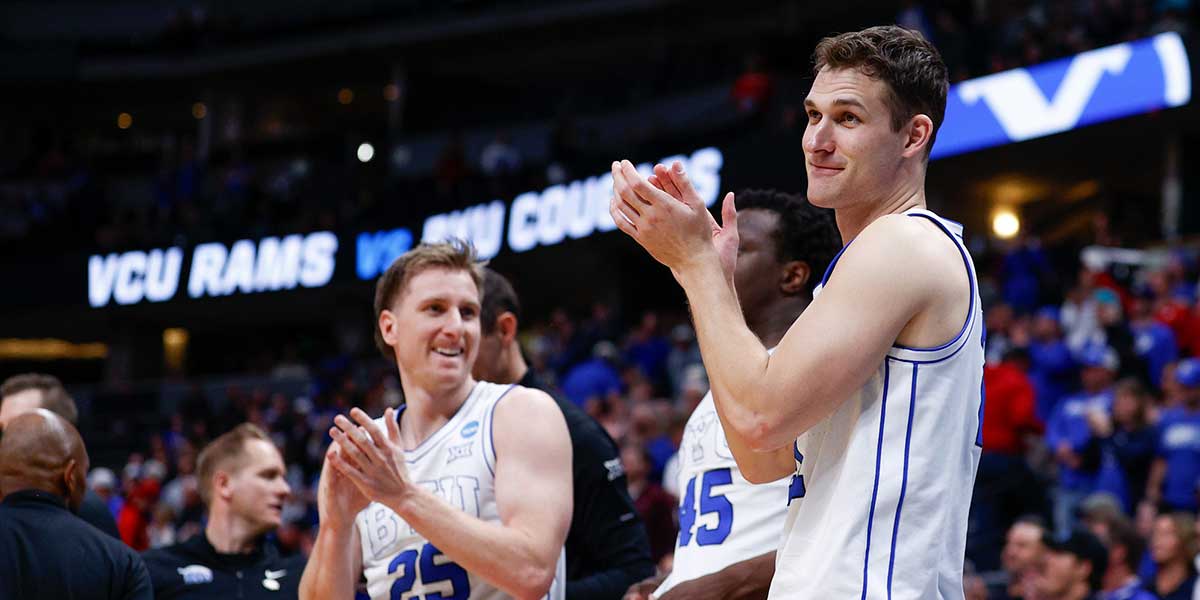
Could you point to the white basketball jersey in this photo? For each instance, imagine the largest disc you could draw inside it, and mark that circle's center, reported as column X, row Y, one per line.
column 457, row 463
column 886, row 480
column 723, row 519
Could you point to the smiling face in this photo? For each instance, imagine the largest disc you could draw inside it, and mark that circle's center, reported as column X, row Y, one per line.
column 851, row 152
column 433, row 328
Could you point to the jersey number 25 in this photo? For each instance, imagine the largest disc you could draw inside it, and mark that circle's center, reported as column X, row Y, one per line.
column 432, row 573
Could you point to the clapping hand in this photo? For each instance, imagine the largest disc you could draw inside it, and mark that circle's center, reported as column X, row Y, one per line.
column 370, row 458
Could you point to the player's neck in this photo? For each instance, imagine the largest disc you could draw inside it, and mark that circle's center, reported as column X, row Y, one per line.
column 230, row 535
column 514, row 365
column 771, row 323
column 426, row 410
column 851, row 220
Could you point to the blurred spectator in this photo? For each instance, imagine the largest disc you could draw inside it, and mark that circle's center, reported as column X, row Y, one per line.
column 1127, row 442
column 648, row 349
column 500, row 157
column 1125, row 548
column 132, row 521
column 999, row 320
column 647, row 430
column 103, row 482
column 752, row 89
column 1070, row 439
column 1004, row 484
column 1023, row 554
column 1079, row 315
column 1074, row 567
column 161, row 531
column 1173, row 550
column 594, row 380
column 1052, row 367
column 656, row 507
column 1176, row 469
column 1010, row 409
column 1153, row 340
column 684, row 353
column 1026, row 274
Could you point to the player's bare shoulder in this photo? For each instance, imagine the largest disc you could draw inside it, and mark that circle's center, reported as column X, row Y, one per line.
column 930, row 262
column 524, row 411
column 915, row 249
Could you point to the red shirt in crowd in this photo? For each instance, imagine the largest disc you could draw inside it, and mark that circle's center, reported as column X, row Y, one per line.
column 1008, row 409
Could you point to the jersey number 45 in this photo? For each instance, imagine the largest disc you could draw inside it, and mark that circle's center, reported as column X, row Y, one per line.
column 709, row 503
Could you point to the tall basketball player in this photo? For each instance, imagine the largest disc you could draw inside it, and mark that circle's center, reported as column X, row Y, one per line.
column 465, row 492
column 873, row 399
column 729, row 528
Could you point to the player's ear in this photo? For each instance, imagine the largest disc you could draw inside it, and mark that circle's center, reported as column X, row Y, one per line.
column 793, row 277
column 920, row 135
column 221, row 485
column 387, row 327
column 506, row 326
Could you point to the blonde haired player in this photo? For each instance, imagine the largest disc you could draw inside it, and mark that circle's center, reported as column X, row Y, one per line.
column 465, row 492
column 873, row 399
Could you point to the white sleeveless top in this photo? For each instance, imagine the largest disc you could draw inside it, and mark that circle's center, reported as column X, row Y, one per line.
column 886, row 480
column 457, row 463
column 723, row 519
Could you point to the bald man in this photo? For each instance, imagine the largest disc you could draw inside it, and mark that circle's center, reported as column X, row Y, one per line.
column 48, row 552
column 23, row 393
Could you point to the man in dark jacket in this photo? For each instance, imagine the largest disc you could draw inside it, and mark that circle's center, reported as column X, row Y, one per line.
column 47, row 551
column 21, row 394
column 241, row 480
column 607, row 548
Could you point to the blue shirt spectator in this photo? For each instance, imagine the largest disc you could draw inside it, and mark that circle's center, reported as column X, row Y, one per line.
column 595, row 378
column 1153, row 341
column 1068, row 429
column 1178, row 448
column 1025, row 266
column 1052, row 371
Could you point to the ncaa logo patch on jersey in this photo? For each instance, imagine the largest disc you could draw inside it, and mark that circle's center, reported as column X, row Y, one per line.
column 470, row 429
column 194, row 574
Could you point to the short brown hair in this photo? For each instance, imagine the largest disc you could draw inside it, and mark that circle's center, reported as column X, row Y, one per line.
column 912, row 68
column 54, row 396
column 499, row 297
column 220, row 452
column 456, row 255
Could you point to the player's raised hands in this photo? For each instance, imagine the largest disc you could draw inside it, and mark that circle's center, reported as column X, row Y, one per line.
column 338, row 499
column 668, row 218
column 372, row 459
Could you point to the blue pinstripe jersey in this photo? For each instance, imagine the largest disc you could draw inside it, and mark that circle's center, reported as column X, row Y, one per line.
column 883, row 485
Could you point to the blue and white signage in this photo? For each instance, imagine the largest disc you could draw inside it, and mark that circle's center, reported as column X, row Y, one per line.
column 572, row 210
column 246, row 266
column 1095, row 86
